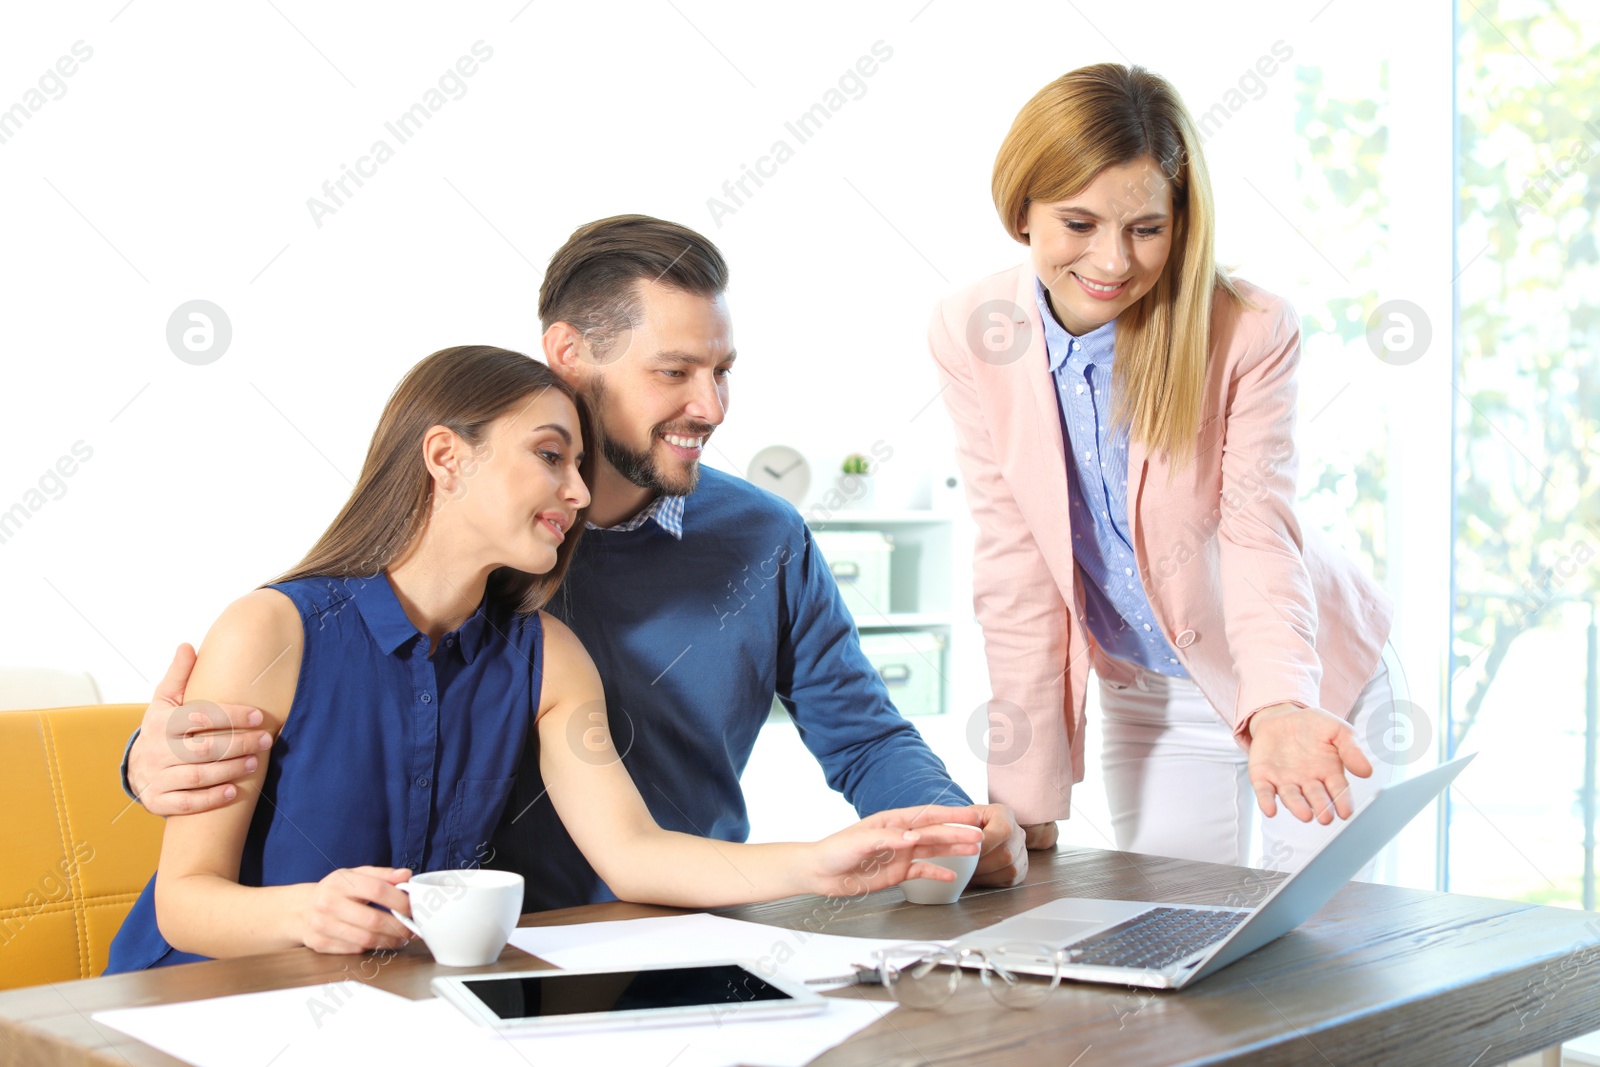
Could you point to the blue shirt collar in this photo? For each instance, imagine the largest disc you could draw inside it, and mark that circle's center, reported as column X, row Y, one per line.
column 666, row 511
column 1097, row 344
column 390, row 626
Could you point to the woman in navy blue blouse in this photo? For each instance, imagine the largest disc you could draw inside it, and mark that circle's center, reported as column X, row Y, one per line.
column 400, row 666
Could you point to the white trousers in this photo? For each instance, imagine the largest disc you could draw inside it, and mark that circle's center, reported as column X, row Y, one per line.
column 1177, row 783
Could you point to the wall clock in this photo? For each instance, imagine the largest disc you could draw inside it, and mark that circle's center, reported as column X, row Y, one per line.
column 782, row 470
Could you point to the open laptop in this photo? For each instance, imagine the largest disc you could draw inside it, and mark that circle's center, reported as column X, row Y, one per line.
column 1168, row 946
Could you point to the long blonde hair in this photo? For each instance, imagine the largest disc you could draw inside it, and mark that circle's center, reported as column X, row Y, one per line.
column 466, row 389
column 1103, row 116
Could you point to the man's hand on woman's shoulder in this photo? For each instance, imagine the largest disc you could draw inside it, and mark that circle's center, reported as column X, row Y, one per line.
column 187, row 756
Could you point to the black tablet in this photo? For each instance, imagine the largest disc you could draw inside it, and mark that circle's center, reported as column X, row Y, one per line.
column 660, row 995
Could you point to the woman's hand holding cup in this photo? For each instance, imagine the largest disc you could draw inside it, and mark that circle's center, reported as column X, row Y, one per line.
column 336, row 916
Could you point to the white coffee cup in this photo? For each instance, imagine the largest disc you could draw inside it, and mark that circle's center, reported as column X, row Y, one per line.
column 929, row 891
column 466, row 916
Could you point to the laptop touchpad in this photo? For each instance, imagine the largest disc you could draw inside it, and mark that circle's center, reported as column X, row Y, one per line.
column 1050, row 931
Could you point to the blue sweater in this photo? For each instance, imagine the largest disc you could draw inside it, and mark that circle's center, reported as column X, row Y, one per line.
column 692, row 638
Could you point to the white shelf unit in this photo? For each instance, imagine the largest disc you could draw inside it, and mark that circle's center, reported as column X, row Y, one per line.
column 930, row 590
column 920, row 578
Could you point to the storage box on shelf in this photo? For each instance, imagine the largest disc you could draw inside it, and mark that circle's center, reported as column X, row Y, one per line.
column 920, row 563
column 859, row 560
column 911, row 664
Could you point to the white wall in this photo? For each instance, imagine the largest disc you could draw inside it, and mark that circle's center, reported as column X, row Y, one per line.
column 178, row 163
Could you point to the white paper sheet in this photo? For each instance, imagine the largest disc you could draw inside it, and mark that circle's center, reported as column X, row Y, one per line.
column 354, row 1023
column 300, row 1027
column 798, row 955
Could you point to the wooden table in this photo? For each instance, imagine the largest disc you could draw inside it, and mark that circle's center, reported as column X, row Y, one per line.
column 1379, row 976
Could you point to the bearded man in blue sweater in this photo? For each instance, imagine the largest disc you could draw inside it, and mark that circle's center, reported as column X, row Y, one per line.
column 635, row 316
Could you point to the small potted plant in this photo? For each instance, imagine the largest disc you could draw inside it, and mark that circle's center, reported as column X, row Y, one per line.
column 855, row 481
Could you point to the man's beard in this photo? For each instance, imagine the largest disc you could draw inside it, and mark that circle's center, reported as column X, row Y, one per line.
column 641, row 468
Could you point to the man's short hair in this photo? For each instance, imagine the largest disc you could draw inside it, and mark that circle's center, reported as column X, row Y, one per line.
column 592, row 282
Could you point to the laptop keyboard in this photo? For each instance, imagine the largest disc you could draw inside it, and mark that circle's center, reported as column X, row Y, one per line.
column 1156, row 938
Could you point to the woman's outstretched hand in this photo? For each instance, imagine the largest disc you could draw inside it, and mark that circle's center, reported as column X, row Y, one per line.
column 1299, row 756
column 887, row 848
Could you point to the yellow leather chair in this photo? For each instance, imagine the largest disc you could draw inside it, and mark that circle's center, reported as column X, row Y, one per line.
column 74, row 851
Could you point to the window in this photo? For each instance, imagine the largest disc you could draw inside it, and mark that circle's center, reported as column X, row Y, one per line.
column 1527, row 531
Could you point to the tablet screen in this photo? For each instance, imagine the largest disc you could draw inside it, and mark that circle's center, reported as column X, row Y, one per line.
column 531, row 997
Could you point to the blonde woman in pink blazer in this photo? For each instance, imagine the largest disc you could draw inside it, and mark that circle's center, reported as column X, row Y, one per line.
column 1124, row 416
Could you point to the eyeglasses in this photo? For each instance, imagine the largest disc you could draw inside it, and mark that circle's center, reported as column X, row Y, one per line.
column 1017, row 975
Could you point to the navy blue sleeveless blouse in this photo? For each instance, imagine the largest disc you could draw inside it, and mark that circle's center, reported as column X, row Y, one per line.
column 388, row 757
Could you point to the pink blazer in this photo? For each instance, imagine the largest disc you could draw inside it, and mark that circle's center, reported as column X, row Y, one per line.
column 1260, row 611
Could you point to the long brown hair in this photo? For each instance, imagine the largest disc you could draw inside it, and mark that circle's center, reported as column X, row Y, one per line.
column 465, row 389
column 1108, row 115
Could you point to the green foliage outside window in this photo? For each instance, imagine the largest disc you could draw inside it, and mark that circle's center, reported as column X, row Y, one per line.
column 1529, row 409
